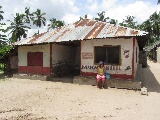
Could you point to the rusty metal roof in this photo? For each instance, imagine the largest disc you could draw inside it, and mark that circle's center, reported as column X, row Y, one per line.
column 155, row 44
column 81, row 30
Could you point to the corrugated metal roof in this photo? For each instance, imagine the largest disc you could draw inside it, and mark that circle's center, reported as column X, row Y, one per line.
column 152, row 46
column 80, row 30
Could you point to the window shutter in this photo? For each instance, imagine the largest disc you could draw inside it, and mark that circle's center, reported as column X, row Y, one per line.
column 39, row 58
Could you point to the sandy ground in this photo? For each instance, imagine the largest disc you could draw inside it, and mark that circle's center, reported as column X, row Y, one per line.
column 39, row 100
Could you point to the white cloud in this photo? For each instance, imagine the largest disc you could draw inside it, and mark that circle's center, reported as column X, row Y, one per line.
column 107, row 4
column 114, row 9
column 70, row 10
column 139, row 9
column 92, row 8
column 70, row 18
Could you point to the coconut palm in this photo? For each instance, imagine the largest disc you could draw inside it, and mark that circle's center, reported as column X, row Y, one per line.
column 38, row 18
column 28, row 15
column 18, row 28
column 155, row 20
column 55, row 23
column 147, row 26
column 2, row 37
column 85, row 17
column 101, row 17
column 129, row 22
column 1, row 16
column 113, row 21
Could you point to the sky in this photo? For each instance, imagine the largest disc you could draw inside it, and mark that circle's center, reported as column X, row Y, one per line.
column 70, row 10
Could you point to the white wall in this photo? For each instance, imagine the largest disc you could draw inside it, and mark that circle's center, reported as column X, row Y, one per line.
column 65, row 55
column 23, row 50
column 136, row 63
column 126, row 44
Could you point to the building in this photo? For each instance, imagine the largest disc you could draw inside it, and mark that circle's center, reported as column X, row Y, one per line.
column 153, row 51
column 77, row 48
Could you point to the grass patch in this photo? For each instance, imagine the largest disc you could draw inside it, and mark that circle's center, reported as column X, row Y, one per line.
column 1, row 68
column 1, row 72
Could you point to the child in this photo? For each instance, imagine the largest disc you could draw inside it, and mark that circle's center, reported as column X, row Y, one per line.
column 100, row 74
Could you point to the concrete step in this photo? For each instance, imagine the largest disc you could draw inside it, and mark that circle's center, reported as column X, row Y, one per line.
column 29, row 76
column 113, row 82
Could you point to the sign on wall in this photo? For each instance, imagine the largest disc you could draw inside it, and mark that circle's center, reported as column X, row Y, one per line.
column 87, row 55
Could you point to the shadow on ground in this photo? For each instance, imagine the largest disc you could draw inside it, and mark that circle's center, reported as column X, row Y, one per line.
column 3, row 76
column 64, row 79
column 149, row 81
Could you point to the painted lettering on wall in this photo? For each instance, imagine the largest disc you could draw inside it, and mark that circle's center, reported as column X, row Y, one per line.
column 95, row 67
column 88, row 67
column 113, row 68
column 87, row 55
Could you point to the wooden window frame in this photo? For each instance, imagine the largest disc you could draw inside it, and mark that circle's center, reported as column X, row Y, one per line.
column 96, row 63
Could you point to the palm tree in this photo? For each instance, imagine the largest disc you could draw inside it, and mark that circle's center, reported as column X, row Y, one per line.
column 128, row 22
column 1, row 16
column 85, row 17
column 155, row 20
column 28, row 15
column 101, row 17
column 147, row 26
column 55, row 23
column 18, row 28
column 38, row 18
column 2, row 37
column 113, row 21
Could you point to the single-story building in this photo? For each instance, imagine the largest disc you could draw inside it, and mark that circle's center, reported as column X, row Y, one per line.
column 10, row 61
column 77, row 48
column 153, row 51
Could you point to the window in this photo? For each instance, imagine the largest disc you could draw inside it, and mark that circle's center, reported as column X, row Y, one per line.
column 107, row 54
column 35, row 58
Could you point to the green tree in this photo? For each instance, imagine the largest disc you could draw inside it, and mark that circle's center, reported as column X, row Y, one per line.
column 1, row 12
column 3, row 39
column 129, row 22
column 152, row 26
column 4, row 49
column 101, row 17
column 18, row 28
column 155, row 22
column 28, row 15
column 85, row 17
column 38, row 18
column 113, row 21
column 147, row 26
column 2, row 36
column 55, row 23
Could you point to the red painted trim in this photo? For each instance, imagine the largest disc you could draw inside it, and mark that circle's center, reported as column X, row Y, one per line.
column 34, row 70
column 50, row 58
column 133, row 57
column 122, row 76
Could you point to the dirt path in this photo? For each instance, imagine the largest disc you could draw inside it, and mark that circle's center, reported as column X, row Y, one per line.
column 39, row 100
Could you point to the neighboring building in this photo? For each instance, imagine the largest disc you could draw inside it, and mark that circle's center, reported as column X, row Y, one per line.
column 153, row 52
column 78, row 48
column 10, row 61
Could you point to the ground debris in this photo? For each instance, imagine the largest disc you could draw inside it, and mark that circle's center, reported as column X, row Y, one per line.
column 14, row 109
